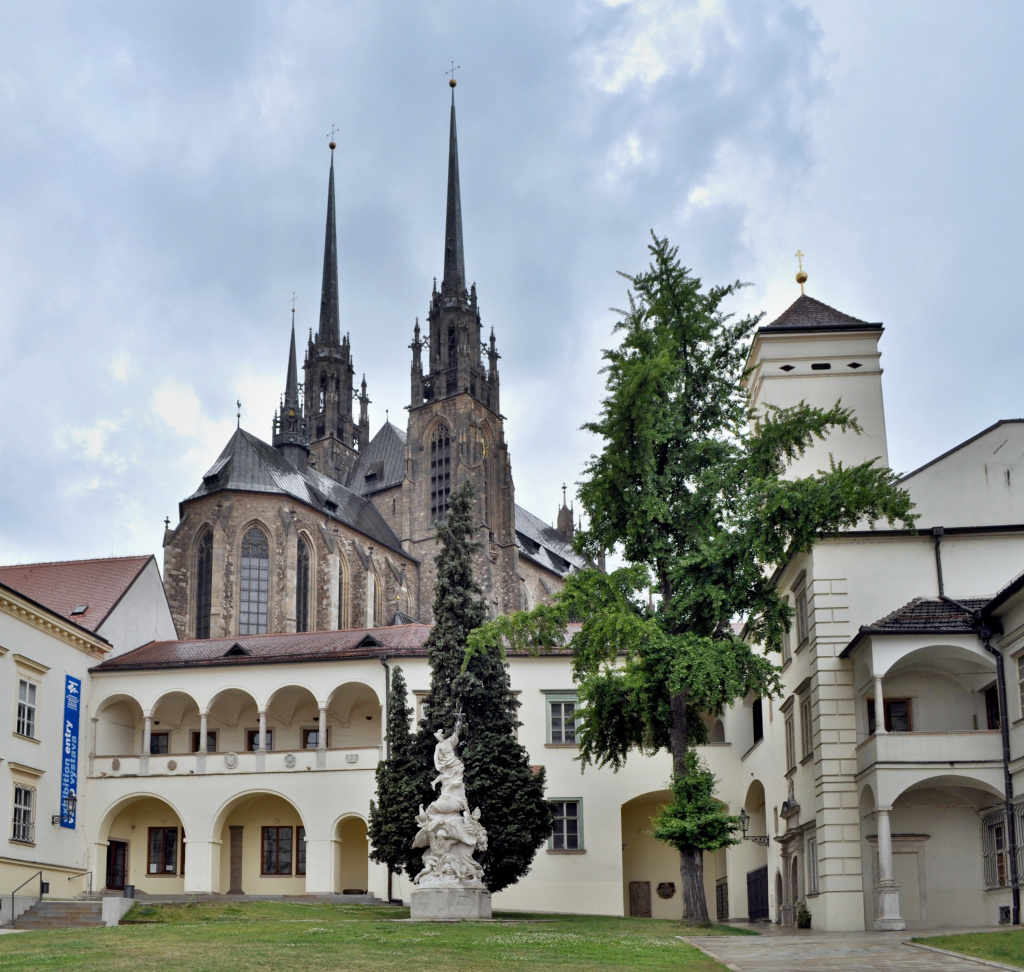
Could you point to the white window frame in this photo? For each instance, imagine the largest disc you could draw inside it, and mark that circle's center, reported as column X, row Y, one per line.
column 806, row 728
column 812, row 865
column 28, row 706
column 23, row 822
column 1020, row 682
column 560, row 698
column 790, row 743
column 803, row 621
column 560, row 804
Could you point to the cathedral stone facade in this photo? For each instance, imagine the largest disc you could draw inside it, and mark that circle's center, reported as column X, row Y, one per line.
column 325, row 527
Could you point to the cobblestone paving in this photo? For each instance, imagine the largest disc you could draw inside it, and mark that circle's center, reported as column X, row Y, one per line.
column 829, row 953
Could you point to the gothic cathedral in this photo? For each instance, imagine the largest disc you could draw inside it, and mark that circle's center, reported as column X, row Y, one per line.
column 326, row 527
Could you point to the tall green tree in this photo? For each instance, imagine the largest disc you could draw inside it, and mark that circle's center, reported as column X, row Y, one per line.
column 399, row 784
column 499, row 778
column 689, row 486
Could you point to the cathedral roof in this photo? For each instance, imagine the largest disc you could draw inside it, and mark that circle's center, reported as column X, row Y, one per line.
column 68, row 586
column 251, row 465
column 808, row 314
column 544, row 545
column 382, row 463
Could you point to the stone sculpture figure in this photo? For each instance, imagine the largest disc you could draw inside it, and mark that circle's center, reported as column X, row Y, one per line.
column 447, row 829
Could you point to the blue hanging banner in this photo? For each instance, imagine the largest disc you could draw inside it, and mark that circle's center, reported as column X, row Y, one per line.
column 69, row 768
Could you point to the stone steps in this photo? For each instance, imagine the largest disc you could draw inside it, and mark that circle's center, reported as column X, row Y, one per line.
column 61, row 914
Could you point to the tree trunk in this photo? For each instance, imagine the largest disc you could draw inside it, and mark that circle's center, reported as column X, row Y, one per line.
column 691, row 862
column 691, row 876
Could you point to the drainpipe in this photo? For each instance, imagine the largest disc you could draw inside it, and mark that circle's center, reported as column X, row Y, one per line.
column 383, row 659
column 985, row 635
column 937, row 532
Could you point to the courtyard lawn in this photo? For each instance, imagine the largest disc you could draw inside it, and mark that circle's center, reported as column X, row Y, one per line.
column 1002, row 946
column 301, row 937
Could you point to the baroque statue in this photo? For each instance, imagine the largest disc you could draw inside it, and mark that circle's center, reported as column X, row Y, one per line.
column 447, row 829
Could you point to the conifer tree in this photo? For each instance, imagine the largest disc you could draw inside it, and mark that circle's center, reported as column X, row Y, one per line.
column 691, row 486
column 399, row 783
column 499, row 779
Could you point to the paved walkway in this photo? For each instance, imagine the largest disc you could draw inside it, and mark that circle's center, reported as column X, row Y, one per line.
column 831, row 952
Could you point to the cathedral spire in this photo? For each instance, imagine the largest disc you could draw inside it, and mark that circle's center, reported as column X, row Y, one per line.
column 454, row 263
column 329, row 331
column 291, row 385
column 290, row 432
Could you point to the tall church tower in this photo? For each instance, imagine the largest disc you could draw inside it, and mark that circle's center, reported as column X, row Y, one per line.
column 290, row 433
column 456, row 430
column 335, row 439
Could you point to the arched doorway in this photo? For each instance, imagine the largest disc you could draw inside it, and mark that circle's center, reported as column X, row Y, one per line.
column 352, row 868
column 649, row 864
column 753, row 856
column 145, row 847
column 262, row 846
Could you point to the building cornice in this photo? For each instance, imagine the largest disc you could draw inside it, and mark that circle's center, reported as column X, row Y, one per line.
column 23, row 609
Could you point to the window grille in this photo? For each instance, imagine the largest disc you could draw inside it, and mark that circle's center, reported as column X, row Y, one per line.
column 24, row 825
column 996, row 860
column 255, row 583
column 440, row 471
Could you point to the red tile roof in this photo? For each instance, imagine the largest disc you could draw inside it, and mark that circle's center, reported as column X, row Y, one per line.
column 66, row 584
column 396, row 641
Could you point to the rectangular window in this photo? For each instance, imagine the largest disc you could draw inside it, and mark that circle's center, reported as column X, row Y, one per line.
column 159, row 743
column 252, row 740
column 24, row 824
column 722, row 899
column 1020, row 681
column 311, row 738
column 812, row 866
column 163, row 850
column 992, row 707
column 300, row 850
column 786, row 649
column 567, row 830
column 277, row 850
column 806, row 729
column 26, row 725
column 790, row 744
column 757, row 715
column 211, row 742
column 562, row 721
column 801, row 617
column 897, row 715
column 995, row 848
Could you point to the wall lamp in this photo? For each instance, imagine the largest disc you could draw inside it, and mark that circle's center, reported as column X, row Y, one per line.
column 67, row 811
column 745, row 826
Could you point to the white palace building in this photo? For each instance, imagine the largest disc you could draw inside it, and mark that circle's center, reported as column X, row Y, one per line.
column 877, row 785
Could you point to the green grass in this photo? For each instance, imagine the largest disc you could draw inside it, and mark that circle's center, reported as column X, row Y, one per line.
column 300, row 937
column 1003, row 946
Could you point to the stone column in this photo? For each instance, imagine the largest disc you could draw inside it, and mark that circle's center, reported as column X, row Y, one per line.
column 887, row 891
column 147, row 738
column 199, row 859
column 879, row 706
column 321, row 739
column 261, row 744
column 204, row 728
column 320, row 855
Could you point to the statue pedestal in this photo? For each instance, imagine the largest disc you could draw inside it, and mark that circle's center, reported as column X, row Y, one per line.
column 451, row 904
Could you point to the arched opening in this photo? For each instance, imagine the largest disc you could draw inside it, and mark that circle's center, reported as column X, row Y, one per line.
column 233, row 718
column 303, row 584
column 352, row 865
column 717, row 734
column 119, row 726
column 175, row 718
column 752, row 857
column 344, row 592
column 354, row 717
column 262, row 846
column 293, row 720
column 204, row 584
column 145, row 847
column 648, row 864
column 254, row 583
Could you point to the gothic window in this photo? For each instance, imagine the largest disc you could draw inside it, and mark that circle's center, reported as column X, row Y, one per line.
column 302, row 586
column 204, row 584
column 254, row 590
column 440, row 471
column 343, row 611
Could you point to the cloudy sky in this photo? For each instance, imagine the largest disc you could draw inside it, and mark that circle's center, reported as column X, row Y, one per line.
column 163, row 173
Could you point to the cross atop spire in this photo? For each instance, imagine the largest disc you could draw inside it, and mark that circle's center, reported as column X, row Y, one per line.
column 454, row 282
column 329, row 331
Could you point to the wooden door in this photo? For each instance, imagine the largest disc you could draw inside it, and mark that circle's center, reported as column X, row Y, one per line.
column 117, row 864
column 640, row 899
column 757, row 894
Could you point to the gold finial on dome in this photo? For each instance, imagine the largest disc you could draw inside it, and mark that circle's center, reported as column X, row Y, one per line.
column 801, row 275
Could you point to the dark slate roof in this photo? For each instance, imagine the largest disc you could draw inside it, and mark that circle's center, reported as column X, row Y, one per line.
column 396, row 641
column 925, row 615
column 544, row 545
column 808, row 314
column 96, row 585
column 382, row 463
column 250, row 464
